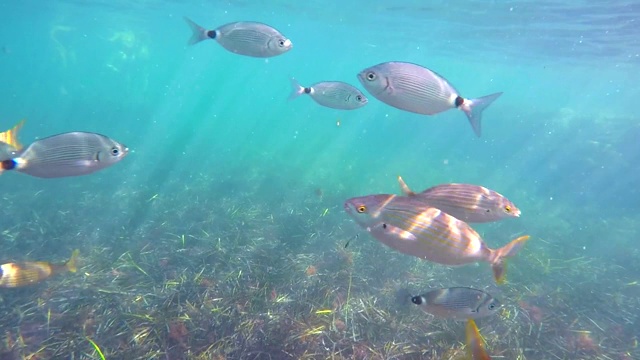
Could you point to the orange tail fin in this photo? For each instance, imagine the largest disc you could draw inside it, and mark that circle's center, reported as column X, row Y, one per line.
column 71, row 264
column 475, row 343
column 498, row 256
column 11, row 136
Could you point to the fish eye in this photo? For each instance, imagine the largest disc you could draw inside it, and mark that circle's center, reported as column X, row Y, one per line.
column 358, row 97
column 361, row 209
column 492, row 306
column 115, row 151
column 371, row 76
column 281, row 42
column 507, row 208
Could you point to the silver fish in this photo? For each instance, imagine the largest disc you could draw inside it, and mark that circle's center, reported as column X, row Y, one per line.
column 333, row 94
column 457, row 302
column 67, row 154
column 414, row 88
column 466, row 202
column 244, row 38
column 414, row 228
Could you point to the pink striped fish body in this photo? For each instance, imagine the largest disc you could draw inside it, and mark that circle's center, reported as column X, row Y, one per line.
column 414, row 228
column 466, row 202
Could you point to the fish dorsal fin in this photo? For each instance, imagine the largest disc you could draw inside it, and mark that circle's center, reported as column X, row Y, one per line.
column 11, row 136
column 403, row 186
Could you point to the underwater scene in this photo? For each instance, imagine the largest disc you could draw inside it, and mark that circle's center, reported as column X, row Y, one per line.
column 319, row 180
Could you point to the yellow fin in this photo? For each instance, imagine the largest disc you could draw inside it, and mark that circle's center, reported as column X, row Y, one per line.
column 475, row 342
column 11, row 136
column 71, row 264
column 498, row 263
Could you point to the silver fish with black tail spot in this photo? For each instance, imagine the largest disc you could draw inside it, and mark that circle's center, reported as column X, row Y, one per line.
column 414, row 88
column 457, row 303
column 67, row 154
column 332, row 94
column 247, row 38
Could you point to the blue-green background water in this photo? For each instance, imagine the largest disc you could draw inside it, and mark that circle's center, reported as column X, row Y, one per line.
column 204, row 125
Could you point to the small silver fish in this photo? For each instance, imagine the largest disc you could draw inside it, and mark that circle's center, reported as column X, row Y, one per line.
column 414, row 88
column 457, row 303
column 414, row 228
column 67, row 154
column 333, row 94
column 466, row 202
column 244, row 38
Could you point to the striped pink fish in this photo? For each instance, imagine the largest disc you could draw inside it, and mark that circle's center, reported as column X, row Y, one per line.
column 414, row 228
column 466, row 202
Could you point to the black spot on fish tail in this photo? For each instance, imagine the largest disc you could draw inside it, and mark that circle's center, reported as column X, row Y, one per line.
column 9, row 164
column 384, row 226
column 212, row 34
column 307, row 90
column 459, row 100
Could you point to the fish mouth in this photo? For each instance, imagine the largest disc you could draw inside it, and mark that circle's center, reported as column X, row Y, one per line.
column 288, row 44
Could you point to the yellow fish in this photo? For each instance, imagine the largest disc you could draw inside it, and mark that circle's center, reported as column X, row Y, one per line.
column 14, row 275
column 475, row 344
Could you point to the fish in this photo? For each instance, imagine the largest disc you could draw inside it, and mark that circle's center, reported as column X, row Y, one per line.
column 457, row 303
column 414, row 88
column 247, row 38
column 475, row 343
column 67, row 154
column 9, row 143
column 466, row 202
column 414, row 228
column 332, row 94
column 13, row 275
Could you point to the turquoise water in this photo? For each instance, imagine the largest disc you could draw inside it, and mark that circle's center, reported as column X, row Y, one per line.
column 230, row 183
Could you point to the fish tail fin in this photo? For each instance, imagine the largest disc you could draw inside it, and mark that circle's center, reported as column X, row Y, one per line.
column 198, row 32
column 473, row 108
column 71, row 264
column 475, row 342
column 498, row 264
column 11, row 136
column 296, row 89
column 404, row 187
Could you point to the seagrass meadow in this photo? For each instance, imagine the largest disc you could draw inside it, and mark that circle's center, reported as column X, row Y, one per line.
column 223, row 235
